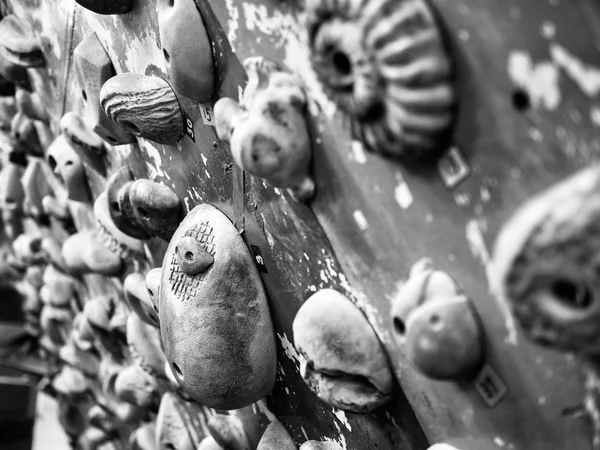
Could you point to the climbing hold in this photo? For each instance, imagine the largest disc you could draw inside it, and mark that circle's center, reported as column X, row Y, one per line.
column 15, row 73
column 36, row 187
column 345, row 364
column 98, row 312
column 86, row 143
column 8, row 110
column 153, row 281
column 107, row 6
column 138, row 298
column 17, row 46
column 189, row 61
column 65, row 163
column 144, row 106
column 31, row 105
column 93, row 68
column 437, row 327
column 229, row 432
column 28, row 249
column 172, row 427
column 269, row 134
column 276, row 437
column 156, row 207
column 216, row 326
column 209, row 443
column 145, row 346
column 135, row 386
column 192, row 258
column 26, row 136
column 56, row 208
column 12, row 193
column 143, row 437
column 119, row 205
column 386, row 64
column 73, row 250
column 546, row 265
column 56, row 323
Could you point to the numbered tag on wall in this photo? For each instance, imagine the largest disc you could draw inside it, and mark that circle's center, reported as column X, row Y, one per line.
column 189, row 126
column 453, row 168
column 207, row 115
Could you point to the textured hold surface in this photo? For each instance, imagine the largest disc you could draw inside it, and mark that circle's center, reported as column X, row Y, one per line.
column 156, row 207
column 546, row 265
column 145, row 346
column 117, row 241
column 437, row 327
column 23, row 129
column 144, row 106
column 88, row 145
column 138, row 298
column 186, row 48
column 93, row 67
column 107, row 6
column 269, row 136
column 229, row 432
column 192, row 258
column 36, row 187
column 135, row 386
column 65, row 163
column 17, row 46
column 119, row 204
column 345, row 364
column 31, row 105
column 276, row 437
column 172, row 427
column 216, row 327
column 15, row 73
column 385, row 63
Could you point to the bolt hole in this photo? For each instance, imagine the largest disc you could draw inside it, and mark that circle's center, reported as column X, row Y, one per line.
column 69, row 163
column 189, row 256
column 150, row 293
column 399, row 326
column 177, row 372
column 84, row 95
column 142, row 212
column 155, row 309
column 167, row 56
column 434, row 319
column 171, row 3
column 114, row 206
column 52, row 163
column 111, row 139
column 572, row 294
column 521, row 100
column 342, row 63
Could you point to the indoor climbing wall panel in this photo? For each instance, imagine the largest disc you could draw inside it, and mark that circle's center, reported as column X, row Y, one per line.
column 527, row 115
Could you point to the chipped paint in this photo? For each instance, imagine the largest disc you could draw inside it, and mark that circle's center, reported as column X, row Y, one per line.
column 539, row 80
column 480, row 251
column 262, row 407
column 402, row 192
column 290, row 350
column 358, row 152
column 154, row 162
column 232, row 22
column 587, row 77
column 341, row 416
column 360, row 220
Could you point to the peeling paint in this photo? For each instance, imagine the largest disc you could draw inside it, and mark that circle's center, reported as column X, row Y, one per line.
column 232, row 22
column 360, row 220
column 402, row 192
column 290, row 350
column 586, row 76
column 341, row 416
column 262, row 407
column 358, row 152
column 480, row 251
column 539, row 80
column 154, row 167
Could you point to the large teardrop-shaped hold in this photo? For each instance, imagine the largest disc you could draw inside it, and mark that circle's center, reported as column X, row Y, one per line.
column 93, row 68
column 144, row 106
column 187, row 49
column 107, row 7
column 17, row 46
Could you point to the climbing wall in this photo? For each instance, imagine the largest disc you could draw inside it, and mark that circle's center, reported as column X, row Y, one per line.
column 527, row 76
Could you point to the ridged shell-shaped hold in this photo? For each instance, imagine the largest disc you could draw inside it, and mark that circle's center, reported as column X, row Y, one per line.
column 12, row 193
column 335, row 338
column 546, row 265
column 216, row 326
column 88, row 145
column 144, row 106
column 138, row 299
column 145, row 346
column 134, row 385
column 117, row 241
column 107, row 6
column 269, row 136
column 65, row 163
column 156, row 207
column 229, row 432
column 31, row 105
column 189, row 60
column 385, row 63
column 23, row 129
column 119, row 205
column 172, row 426
column 34, row 276
column 93, row 68
column 36, row 187
column 16, row 74
column 17, row 46
column 209, row 443
column 276, row 437
column 437, row 327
